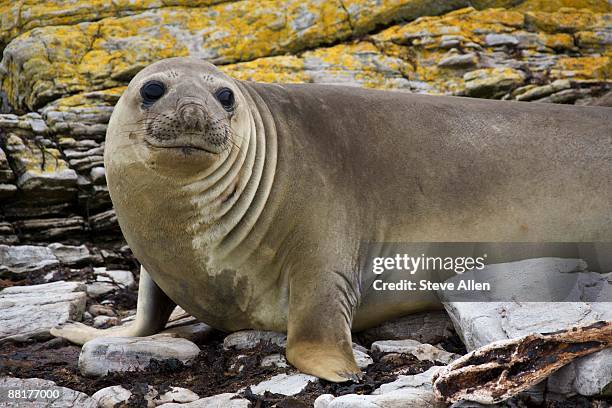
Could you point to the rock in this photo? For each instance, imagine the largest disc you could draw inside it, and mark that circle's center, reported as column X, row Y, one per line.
column 494, row 40
column 251, row 338
column 178, row 395
column 459, row 60
column 274, row 360
column 29, row 312
column 423, row 381
column 285, row 384
column 7, row 190
column 72, row 255
column 60, row 397
column 50, row 229
column 23, row 259
column 492, row 82
column 358, row 64
column 104, row 310
column 104, row 221
column 196, row 332
column 323, row 401
column 98, row 175
column 290, row 27
column 272, row 49
column 109, row 280
column 37, row 74
column 425, row 327
column 406, row 397
column 566, row 96
column 482, row 323
column 113, row 396
column 110, row 397
column 6, row 173
column 181, row 324
column 7, row 236
column 111, row 354
column 589, row 375
column 542, row 91
column 102, row 322
column 421, row 351
column 227, row 400
column 41, row 171
column 362, row 358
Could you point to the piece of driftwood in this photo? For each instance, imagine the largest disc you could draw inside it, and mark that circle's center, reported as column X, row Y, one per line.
column 500, row 370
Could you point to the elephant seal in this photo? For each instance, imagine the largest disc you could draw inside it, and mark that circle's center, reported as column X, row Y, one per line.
column 247, row 203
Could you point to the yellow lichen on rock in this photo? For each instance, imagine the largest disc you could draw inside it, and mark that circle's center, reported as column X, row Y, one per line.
column 499, row 43
column 465, row 24
column 285, row 41
column 598, row 6
column 19, row 16
column 40, row 169
column 49, row 62
column 88, row 99
column 492, row 82
column 359, row 63
column 365, row 15
column 567, row 20
column 593, row 67
column 285, row 69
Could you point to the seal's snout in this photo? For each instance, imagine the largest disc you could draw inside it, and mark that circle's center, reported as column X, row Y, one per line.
column 193, row 116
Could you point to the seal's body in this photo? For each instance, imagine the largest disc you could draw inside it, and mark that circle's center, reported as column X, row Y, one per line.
column 249, row 210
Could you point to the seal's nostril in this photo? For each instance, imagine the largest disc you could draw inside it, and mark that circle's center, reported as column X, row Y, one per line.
column 193, row 116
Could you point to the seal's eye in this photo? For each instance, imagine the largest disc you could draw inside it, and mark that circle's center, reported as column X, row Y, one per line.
column 226, row 98
column 152, row 91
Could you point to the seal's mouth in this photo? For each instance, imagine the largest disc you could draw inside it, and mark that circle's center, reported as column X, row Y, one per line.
column 185, row 148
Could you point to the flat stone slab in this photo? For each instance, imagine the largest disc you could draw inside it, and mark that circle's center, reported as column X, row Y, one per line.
column 72, row 255
column 423, row 380
column 111, row 354
column 227, row 400
column 285, row 384
column 362, row 358
column 274, row 360
column 50, row 395
column 421, row 351
column 405, row 397
column 247, row 339
column 109, row 280
column 20, row 259
column 29, row 312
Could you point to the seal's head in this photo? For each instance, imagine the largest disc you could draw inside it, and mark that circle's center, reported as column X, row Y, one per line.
column 179, row 109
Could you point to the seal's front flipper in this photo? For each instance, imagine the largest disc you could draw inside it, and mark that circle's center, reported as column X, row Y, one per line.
column 152, row 312
column 319, row 327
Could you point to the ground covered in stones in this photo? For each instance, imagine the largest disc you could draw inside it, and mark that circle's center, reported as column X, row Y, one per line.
column 219, row 369
column 213, row 372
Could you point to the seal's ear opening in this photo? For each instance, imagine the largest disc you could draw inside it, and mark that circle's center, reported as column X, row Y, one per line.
column 151, row 91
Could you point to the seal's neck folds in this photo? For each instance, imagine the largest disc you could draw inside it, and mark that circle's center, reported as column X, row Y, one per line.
column 229, row 201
